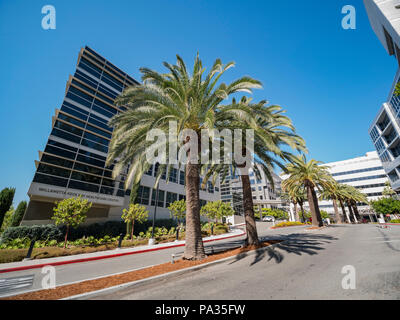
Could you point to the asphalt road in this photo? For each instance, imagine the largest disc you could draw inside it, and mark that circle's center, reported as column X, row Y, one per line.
column 308, row 265
column 70, row 273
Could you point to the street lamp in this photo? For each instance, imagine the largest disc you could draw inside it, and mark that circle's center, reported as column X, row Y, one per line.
column 152, row 241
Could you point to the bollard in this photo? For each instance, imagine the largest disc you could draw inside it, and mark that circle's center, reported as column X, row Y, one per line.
column 172, row 258
column 121, row 237
column 28, row 255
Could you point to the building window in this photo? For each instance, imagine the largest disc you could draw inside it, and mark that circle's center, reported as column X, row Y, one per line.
column 171, row 197
column 160, row 198
column 385, row 157
column 182, row 177
column 374, row 134
column 150, row 171
column 173, row 175
column 210, row 187
column 143, row 195
column 156, row 167
column 379, row 145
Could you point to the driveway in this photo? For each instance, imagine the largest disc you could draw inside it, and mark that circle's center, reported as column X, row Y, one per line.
column 308, row 265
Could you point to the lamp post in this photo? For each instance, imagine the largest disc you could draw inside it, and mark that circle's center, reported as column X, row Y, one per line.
column 152, row 240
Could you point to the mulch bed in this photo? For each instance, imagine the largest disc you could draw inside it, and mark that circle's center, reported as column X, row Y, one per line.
column 316, row 228
column 110, row 281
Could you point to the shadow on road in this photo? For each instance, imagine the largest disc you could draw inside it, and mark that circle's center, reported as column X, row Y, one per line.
column 298, row 244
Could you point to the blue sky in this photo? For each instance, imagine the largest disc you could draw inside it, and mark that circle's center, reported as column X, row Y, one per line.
column 331, row 81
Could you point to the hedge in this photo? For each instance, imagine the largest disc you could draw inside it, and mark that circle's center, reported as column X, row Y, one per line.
column 97, row 230
column 42, row 232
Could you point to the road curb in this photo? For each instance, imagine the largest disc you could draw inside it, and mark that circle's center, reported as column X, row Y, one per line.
column 59, row 263
column 166, row 276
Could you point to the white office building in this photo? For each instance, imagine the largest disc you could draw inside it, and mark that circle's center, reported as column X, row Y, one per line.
column 365, row 173
column 264, row 194
column 384, row 16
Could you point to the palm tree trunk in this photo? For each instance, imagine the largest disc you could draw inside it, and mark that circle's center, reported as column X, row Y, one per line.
column 302, row 212
column 344, row 212
column 251, row 228
column 351, row 214
column 194, row 248
column 337, row 215
column 296, row 212
column 357, row 214
column 313, row 202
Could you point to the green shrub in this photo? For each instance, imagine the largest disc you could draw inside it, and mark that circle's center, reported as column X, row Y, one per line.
column 96, row 230
column 43, row 232
column 288, row 224
column 395, row 221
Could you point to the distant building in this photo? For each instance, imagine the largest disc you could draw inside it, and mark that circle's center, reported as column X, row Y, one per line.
column 264, row 194
column 365, row 173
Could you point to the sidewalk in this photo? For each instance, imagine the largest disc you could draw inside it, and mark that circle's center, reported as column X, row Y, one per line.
column 39, row 263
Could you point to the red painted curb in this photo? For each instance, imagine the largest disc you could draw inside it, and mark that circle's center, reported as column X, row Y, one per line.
column 392, row 224
column 59, row 263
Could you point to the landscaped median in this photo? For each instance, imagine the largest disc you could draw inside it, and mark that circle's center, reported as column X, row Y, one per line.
column 131, row 277
column 16, row 249
column 235, row 232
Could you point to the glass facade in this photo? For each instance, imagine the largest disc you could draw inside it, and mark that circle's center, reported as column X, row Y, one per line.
column 76, row 151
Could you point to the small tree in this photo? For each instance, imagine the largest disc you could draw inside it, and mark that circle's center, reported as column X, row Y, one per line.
column 7, row 219
column 135, row 212
column 386, row 206
column 325, row 215
column 6, row 199
column 177, row 210
column 276, row 213
column 18, row 214
column 217, row 210
column 71, row 212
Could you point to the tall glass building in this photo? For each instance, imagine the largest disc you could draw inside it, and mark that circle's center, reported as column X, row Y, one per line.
column 73, row 160
column 384, row 131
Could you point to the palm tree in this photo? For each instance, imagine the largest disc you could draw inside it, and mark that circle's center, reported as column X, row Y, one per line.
column 332, row 192
column 388, row 191
column 273, row 131
column 342, row 196
column 311, row 175
column 192, row 101
column 355, row 196
column 296, row 195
